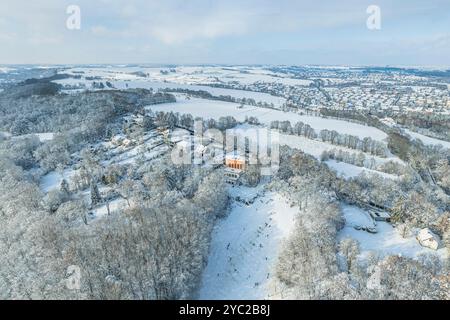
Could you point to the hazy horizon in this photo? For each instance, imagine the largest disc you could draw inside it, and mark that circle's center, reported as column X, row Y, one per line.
column 168, row 64
column 226, row 32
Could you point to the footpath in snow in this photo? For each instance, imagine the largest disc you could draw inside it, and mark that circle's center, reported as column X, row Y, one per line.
column 245, row 247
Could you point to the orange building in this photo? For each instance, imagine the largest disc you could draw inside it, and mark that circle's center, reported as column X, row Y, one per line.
column 235, row 161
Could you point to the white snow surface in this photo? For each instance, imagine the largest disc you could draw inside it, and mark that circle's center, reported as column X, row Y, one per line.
column 349, row 170
column 387, row 241
column 192, row 74
column 46, row 136
column 184, row 78
column 317, row 147
column 114, row 205
column 245, row 246
column 6, row 69
column 5, row 134
column 52, row 180
column 43, row 137
column 216, row 109
column 428, row 140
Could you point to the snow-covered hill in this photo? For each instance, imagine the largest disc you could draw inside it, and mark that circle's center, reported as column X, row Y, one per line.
column 245, row 247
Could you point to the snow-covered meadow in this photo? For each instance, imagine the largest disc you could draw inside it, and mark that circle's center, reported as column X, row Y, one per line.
column 191, row 75
column 215, row 109
column 157, row 85
column 245, row 247
column 428, row 140
column 387, row 240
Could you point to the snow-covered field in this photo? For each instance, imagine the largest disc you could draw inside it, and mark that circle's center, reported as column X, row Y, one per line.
column 349, row 170
column 245, row 247
column 185, row 77
column 316, row 148
column 5, row 134
column 157, row 85
column 215, row 109
column 239, row 94
column 387, row 241
column 428, row 140
column 46, row 136
column 6, row 69
column 192, row 74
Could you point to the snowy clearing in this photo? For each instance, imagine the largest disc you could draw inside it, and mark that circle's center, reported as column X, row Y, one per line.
column 52, row 180
column 349, row 170
column 428, row 140
column 5, row 134
column 316, row 148
column 43, row 137
column 387, row 241
column 115, row 205
column 245, row 246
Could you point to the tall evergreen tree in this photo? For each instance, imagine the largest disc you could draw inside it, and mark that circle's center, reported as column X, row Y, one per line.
column 95, row 194
column 65, row 187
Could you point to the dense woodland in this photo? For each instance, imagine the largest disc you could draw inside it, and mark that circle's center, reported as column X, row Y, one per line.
column 155, row 248
column 313, row 265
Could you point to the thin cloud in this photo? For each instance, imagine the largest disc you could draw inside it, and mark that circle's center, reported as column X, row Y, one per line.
column 284, row 31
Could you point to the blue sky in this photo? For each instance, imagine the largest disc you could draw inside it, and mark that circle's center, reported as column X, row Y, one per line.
column 414, row 32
